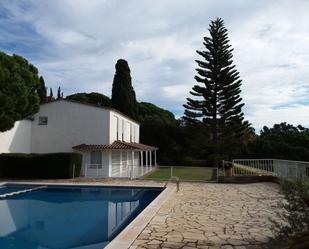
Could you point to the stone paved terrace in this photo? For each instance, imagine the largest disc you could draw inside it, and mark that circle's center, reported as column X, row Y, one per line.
column 209, row 216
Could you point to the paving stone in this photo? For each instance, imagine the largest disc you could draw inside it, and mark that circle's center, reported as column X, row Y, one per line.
column 202, row 247
column 213, row 216
column 171, row 244
column 227, row 247
column 175, row 239
column 236, row 242
column 139, row 242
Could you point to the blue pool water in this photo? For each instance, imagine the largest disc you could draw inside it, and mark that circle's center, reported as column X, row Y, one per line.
column 66, row 217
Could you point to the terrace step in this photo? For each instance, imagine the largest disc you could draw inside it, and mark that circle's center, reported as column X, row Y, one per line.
column 21, row 192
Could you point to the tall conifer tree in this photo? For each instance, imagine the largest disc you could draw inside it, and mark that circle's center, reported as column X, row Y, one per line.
column 123, row 95
column 218, row 103
column 59, row 93
column 51, row 95
column 42, row 91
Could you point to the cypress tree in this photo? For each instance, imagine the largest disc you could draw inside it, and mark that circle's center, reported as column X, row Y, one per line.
column 123, row 95
column 59, row 93
column 51, row 95
column 42, row 91
column 217, row 99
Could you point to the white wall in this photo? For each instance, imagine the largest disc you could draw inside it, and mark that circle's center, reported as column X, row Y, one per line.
column 69, row 124
column 129, row 129
column 18, row 139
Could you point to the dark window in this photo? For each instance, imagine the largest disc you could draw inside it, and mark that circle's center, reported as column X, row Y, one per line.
column 131, row 131
column 117, row 134
column 96, row 158
column 122, row 133
column 43, row 120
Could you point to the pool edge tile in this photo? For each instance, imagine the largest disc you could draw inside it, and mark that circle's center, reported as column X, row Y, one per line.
column 127, row 236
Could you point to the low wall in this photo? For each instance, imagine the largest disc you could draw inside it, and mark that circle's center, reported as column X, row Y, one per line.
column 247, row 179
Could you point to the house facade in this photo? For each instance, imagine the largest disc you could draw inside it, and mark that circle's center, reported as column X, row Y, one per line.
column 107, row 139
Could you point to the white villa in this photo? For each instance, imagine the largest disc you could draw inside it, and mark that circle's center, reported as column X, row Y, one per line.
column 107, row 139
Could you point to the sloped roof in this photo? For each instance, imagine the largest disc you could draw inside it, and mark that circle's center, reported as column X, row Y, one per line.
column 117, row 145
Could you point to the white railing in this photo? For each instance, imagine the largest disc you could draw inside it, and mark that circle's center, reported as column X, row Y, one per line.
column 117, row 170
column 274, row 167
column 94, row 170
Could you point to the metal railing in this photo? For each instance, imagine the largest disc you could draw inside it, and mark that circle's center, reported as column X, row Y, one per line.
column 274, row 167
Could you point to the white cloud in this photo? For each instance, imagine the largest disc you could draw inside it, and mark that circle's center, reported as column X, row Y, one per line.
column 77, row 43
column 265, row 115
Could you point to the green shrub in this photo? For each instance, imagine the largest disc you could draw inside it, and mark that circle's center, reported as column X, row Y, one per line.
column 40, row 166
column 293, row 211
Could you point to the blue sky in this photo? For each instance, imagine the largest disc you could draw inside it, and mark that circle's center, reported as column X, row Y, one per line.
column 75, row 44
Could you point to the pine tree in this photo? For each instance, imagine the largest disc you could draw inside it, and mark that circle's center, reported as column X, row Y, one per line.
column 59, row 93
column 51, row 95
column 19, row 84
column 123, row 95
column 218, row 103
column 42, row 91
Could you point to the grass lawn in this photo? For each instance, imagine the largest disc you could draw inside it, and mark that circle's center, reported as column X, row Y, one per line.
column 184, row 173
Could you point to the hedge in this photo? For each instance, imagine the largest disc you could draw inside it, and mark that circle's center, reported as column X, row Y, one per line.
column 40, row 166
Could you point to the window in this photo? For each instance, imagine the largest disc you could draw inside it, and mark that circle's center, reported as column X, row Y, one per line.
column 117, row 132
column 134, row 134
column 122, row 130
column 96, row 158
column 43, row 120
column 131, row 133
column 127, row 132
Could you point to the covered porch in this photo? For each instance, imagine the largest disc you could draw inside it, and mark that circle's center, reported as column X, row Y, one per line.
column 119, row 159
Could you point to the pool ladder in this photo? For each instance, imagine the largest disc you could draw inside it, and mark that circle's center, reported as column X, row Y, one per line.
column 21, row 192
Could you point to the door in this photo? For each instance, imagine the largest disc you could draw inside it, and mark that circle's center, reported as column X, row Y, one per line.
column 95, row 168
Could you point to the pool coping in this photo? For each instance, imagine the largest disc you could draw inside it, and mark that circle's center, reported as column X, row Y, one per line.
column 130, row 233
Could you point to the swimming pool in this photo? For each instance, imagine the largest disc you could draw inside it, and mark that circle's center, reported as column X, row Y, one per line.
column 63, row 217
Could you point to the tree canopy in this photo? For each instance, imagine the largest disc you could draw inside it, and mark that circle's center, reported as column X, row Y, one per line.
column 159, row 128
column 123, row 94
column 19, row 82
column 91, row 98
column 282, row 141
column 147, row 110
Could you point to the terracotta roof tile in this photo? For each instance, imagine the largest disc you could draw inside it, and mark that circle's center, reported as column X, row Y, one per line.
column 117, row 145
